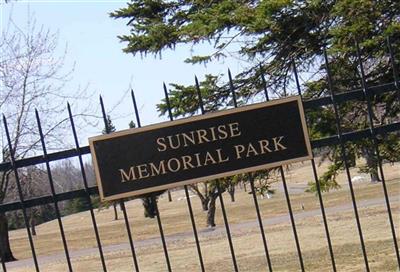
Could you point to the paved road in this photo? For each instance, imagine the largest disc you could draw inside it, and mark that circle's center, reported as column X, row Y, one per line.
column 206, row 233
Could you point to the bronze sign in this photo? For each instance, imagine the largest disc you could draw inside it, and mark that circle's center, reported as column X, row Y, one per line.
column 200, row 148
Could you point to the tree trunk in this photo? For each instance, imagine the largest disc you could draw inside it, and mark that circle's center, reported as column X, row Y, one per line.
column 32, row 224
column 115, row 211
column 204, row 198
column 169, row 196
column 149, row 207
column 244, row 186
column 231, row 191
column 375, row 177
column 5, row 249
column 372, row 164
column 211, row 211
column 204, row 203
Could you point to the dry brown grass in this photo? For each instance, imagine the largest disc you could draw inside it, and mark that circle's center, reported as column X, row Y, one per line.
column 247, row 242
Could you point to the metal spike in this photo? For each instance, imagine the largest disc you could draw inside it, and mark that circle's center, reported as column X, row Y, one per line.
column 296, row 76
column 232, row 88
column 264, row 82
column 135, row 108
column 199, row 95
column 168, row 102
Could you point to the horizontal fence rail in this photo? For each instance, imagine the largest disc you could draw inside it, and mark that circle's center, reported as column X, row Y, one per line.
column 319, row 143
column 72, row 153
column 84, row 150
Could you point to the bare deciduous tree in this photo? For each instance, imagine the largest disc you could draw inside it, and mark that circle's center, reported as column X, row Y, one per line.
column 31, row 77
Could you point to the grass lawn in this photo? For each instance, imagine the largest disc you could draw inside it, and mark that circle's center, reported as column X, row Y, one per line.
column 246, row 237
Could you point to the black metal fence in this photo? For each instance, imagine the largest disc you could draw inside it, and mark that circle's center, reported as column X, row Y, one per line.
column 364, row 94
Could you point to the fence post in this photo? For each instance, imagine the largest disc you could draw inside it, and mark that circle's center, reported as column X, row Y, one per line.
column 53, row 192
column 86, row 187
column 21, row 198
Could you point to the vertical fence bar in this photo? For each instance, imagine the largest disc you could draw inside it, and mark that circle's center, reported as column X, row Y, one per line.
column 296, row 238
column 128, row 230
column 232, row 89
column 264, row 83
column 260, row 223
column 121, row 202
column 251, row 179
column 53, row 191
column 160, row 227
column 377, row 153
column 21, row 199
column 221, row 200
column 321, row 204
column 344, row 158
column 135, row 108
column 201, row 105
column 228, row 232
column 286, row 193
column 153, row 198
column 3, row 265
column 86, row 187
column 317, row 183
column 196, row 238
column 394, row 67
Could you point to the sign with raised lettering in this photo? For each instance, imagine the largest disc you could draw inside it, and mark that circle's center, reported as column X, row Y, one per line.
column 200, row 148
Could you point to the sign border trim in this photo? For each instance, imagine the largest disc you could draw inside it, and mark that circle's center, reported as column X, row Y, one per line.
column 193, row 119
